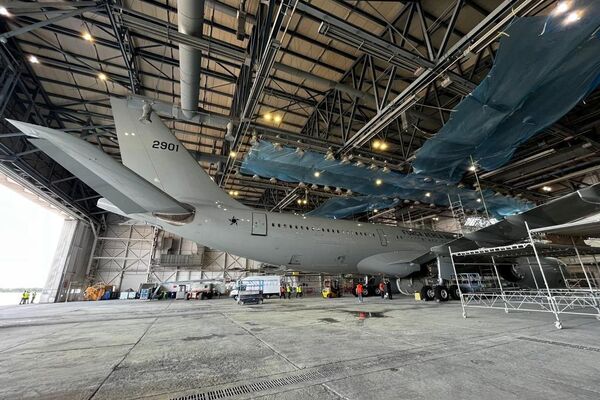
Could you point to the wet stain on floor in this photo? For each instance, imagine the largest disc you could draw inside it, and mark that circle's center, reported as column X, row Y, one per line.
column 365, row 314
column 329, row 320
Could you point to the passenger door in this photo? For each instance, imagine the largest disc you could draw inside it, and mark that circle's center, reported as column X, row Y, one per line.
column 259, row 224
column 382, row 237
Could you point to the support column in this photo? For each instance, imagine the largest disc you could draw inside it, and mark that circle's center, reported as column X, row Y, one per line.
column 462, row 301
column 533, row 274
column 500, row 284
column 551, row 300
column 587, row 278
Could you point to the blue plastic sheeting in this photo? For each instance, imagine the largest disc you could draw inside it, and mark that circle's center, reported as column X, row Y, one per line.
column 284, row 164
column 543, row 68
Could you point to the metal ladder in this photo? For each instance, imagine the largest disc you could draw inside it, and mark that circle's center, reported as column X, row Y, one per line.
column 458, row 213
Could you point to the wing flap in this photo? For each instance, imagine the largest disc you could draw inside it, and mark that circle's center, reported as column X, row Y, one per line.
column 122, row 187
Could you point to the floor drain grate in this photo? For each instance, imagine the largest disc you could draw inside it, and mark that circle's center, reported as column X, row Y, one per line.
column 562, row 344
column 255, row 387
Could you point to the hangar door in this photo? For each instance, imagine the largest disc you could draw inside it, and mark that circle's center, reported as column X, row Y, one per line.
column 259, row 224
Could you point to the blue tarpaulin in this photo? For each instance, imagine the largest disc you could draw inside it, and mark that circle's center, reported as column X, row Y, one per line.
column 544, row 66
column 285, row 164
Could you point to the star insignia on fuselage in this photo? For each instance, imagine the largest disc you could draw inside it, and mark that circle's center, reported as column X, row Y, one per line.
column 233, row 220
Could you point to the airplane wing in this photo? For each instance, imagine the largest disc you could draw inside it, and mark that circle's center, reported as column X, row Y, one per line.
column 574, row 206
column 126, row 190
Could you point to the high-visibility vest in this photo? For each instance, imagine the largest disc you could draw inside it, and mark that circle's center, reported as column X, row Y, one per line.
column 359, row 289
column 299, row 289
column 288, row 289
column 26, row 295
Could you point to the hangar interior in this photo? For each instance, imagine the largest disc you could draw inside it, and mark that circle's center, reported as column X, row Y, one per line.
column 336, row 69
column 423, row 114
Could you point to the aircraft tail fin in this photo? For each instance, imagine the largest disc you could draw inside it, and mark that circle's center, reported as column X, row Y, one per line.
column 150, row 150
column 125, row 192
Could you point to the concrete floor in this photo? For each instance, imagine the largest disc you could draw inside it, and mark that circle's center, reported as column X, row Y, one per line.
column 293, row 349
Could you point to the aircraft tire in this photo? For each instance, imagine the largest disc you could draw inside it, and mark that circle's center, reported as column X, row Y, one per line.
column 427, row 293
column 454, row 293
column 441, row 293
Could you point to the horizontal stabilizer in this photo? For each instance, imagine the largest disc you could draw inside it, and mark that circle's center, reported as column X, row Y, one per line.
column 129, row 192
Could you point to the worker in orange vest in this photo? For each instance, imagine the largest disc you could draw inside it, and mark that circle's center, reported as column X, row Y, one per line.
column 382, row 289
column 359, row 292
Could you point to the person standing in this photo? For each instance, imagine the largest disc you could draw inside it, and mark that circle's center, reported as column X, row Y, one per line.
column 298, row 291
column 26, row 297
column 359, row 292
column 288, row 290
column 388, row 286
column 23, row 297
column 33, row 296
column 382, row 289
column 282, row 291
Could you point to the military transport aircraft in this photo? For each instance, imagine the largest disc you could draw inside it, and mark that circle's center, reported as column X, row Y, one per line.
column 160, row 183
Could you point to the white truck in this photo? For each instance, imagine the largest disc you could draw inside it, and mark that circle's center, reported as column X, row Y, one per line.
column 269, row 284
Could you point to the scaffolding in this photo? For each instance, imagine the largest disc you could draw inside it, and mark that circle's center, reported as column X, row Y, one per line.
column 581, row 300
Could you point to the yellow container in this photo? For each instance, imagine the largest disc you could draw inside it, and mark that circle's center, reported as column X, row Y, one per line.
column 417, row 296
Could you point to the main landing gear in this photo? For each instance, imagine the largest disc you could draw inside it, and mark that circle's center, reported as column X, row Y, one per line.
column 439, row 293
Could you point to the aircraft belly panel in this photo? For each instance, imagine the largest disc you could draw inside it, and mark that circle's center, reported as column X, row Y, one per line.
column 396, row 263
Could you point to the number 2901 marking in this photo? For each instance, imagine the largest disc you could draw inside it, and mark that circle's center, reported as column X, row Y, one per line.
column 156, row 144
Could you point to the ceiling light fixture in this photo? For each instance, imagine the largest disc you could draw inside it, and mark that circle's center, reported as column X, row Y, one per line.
column 562, row 7
column 573, row 17
column 232, row 154
column 277, row 119
column 268, row 117
column 102, row 76
column 33, row 59
column 378, row 181
column 4, row 12
column 317, row 174
column 87, row 36
column 546, row 188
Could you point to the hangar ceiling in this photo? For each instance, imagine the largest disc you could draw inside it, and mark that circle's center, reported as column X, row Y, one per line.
column 330, row 83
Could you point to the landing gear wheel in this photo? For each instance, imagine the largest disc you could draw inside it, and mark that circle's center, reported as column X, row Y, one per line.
column 454, row 293
column 427, row 293
column 441, row 293
column 558, row 325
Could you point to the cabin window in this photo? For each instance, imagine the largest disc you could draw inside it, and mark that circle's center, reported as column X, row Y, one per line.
column 296, row 226
column 279, row 225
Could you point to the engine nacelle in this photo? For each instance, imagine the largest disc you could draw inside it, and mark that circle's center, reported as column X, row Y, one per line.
column 526, row 274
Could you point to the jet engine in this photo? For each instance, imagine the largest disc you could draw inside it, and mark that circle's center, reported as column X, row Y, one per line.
column 526, row 273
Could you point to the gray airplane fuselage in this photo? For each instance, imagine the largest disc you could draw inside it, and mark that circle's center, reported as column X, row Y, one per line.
column 309, row 244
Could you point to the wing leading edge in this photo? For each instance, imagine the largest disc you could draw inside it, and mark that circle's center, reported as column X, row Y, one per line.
column 572, row 207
